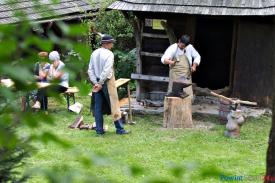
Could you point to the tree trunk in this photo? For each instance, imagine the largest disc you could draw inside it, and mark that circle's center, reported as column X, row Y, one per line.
column 177, row 112
column 270, row 159
column 169, row 31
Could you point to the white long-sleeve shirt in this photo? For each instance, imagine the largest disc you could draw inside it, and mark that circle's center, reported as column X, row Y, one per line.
column 173, row 51
column 101, row 65
column 64, row 80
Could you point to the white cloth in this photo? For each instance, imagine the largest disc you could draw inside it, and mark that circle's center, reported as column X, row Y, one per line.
column 54, row 55
column 64, row 80
column 173, row 51
column 101, row 65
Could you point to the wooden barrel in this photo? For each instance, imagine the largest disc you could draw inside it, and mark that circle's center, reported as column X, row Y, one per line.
column 224, row 110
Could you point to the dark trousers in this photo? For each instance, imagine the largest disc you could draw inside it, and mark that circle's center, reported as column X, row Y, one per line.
column 43, row 93
column 99, row 103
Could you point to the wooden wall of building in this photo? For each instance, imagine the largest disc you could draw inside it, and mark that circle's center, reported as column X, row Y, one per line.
column 153, row 44
column 254, row 58
column 251, row 54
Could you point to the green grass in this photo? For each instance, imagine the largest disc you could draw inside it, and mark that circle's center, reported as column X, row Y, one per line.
column 151, row 151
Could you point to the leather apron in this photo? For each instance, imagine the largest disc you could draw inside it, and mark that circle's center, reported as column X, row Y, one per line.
column 181, row 68
column 114, row 101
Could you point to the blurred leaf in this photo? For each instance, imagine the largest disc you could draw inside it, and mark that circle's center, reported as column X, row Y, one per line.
column 84, row 88
column 136, row 170
column 16, row 72
column 177, row 170
column 47, row 137
column 77, row 30
column 83, row 50
column 159, row 180
column 6, row 54
column 35, row 120
column 210, row 171
column 42, row 44
column 65, row 29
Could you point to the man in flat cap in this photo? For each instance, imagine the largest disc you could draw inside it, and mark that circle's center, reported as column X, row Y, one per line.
column 183, row 59
column 105, row 98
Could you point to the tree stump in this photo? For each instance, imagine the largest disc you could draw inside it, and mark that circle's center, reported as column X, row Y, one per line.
column 177, row 112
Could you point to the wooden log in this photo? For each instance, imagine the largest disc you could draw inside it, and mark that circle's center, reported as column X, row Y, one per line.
column 177, row 112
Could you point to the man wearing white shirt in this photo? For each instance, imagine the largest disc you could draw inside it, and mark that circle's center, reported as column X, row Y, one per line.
column 101, row 74
column 183, row 59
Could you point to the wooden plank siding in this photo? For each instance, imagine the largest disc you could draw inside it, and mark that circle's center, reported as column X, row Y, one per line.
column 254, row 61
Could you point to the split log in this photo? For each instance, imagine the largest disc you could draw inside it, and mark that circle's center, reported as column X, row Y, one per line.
column 177, row 112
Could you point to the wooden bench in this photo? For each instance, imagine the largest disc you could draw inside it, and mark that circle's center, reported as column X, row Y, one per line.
column 69, row 93
column 118, row 83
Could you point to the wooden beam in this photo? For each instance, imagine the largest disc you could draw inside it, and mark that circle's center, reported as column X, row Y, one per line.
column 143, row 53
column 161, row 36
column 149, row 77
column 233, row 53
column 121, row 81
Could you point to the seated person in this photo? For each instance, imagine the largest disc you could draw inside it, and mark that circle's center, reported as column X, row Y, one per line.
column 55, row 73
column 41, row 70
column 41, row 67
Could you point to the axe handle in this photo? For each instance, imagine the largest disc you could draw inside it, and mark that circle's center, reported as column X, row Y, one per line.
column 232, row 100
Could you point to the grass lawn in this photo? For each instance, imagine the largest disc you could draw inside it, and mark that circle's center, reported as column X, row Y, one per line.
column 151, row 152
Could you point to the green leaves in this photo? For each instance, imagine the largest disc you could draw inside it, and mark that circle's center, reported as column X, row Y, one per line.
column 47, row 137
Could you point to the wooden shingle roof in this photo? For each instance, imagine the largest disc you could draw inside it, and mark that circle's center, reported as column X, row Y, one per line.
column 200, row 7
column 45, row 10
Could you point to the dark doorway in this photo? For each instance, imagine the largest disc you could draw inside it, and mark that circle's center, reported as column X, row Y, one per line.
column 214, row 42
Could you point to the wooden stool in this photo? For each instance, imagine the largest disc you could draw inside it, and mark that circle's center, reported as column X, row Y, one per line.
column 177, row 112
column 70, row 93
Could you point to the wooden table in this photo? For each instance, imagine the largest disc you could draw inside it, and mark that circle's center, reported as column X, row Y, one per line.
column 69, row 93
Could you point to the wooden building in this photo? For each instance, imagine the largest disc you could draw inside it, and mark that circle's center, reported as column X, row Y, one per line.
column 46, row 10
column 234, row 38
column 47, row 13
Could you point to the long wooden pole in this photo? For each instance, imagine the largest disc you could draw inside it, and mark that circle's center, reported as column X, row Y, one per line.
column 232, row 100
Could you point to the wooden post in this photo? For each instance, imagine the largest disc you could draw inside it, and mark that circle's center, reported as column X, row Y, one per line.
column 270, row 157
column 130, row 107
column 177, row 112
column 137, row 24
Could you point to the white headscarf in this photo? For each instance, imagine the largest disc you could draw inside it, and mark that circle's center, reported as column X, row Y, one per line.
column 54, row 55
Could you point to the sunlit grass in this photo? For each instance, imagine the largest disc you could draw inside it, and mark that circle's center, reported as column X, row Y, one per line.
column 152, row 149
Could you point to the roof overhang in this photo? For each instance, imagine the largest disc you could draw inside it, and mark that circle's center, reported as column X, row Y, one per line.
column 194, row 9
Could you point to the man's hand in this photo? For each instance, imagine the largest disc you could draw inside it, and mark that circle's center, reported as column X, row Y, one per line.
column 170, row 62
column 194, row 67
column 97, row 88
